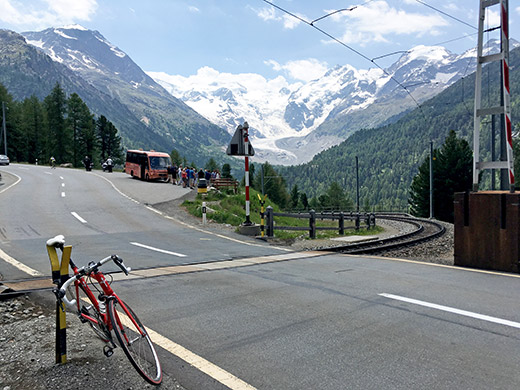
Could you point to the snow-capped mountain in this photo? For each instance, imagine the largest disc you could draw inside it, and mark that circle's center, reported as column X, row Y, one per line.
column 111, row 71
column 291, row 122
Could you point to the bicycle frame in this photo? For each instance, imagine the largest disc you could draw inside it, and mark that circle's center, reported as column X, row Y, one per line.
column 107, row 292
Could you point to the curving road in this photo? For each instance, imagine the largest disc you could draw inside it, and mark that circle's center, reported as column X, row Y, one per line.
column 98, row 219
column 313, row 321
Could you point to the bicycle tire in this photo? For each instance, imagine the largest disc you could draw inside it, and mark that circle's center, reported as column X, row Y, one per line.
column 136, row 344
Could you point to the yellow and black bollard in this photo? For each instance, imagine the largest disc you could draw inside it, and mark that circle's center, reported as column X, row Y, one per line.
column 60, row 274
column 262, row 203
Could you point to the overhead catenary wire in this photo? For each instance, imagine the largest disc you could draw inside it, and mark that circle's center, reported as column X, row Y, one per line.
column 446, row 14
column 346, row 46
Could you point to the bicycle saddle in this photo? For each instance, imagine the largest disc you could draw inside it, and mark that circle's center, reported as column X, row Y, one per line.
column 57, row 241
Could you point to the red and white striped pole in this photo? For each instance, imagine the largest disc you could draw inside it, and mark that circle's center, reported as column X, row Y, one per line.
column 507, row 92
column 246, row 146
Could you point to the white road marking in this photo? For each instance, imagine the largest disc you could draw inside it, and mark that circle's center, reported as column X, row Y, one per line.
column 48, row 173
column 203, row 365
column 25, row 169
column 158, row 250
column 63, row 184
column 63, row 194
column 61, row 177
column 188, row 225
column 478, row 316
column 12, row 185
column 15, row 263
column 74, row 214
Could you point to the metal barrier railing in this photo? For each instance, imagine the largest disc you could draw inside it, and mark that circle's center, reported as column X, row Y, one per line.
column 368, row 220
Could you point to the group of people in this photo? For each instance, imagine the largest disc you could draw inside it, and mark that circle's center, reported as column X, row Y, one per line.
column 189, row 177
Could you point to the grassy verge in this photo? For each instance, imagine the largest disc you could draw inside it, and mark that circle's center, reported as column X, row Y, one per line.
column 228, row 208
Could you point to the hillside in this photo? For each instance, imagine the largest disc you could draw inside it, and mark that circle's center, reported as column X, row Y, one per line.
column 111, row 84
column 389, row 156
column 26, row 71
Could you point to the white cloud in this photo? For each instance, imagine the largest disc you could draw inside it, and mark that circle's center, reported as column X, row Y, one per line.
column 493, row 18
column 46, row 13
column 270, row 14
column 518, row 10
column 304, row 70
column 192, row 8
column 377, row 21
column 452, row 7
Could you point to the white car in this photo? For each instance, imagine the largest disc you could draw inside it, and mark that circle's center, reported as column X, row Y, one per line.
column 4, row 160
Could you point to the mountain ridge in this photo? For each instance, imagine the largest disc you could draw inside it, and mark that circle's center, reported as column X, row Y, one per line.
column 112, row 72
column 291, row 122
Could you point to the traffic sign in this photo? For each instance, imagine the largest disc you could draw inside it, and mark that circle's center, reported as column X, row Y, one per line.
column 237, row 145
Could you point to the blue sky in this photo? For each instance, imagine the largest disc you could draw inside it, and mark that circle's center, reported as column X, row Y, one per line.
column 250, row 36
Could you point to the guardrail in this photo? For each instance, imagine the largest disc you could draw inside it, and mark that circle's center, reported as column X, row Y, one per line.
column 367, row 220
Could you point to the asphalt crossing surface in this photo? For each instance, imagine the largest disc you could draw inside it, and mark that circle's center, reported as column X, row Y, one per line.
column 320, row 321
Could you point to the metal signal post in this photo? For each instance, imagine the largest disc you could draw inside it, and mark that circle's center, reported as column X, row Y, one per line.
column 504, row 109
column 246, row 147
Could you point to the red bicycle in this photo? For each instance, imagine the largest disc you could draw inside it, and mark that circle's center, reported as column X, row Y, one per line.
column 108, row 313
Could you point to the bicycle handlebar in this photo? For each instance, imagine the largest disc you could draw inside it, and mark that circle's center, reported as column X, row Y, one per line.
column 87, row 270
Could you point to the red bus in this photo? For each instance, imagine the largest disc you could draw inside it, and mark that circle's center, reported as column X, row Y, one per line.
column 147, row 165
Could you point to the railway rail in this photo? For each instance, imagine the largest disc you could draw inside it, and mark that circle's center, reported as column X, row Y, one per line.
column 423, row 230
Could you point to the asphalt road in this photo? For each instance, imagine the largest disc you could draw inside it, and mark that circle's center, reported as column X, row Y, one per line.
column 324, row 322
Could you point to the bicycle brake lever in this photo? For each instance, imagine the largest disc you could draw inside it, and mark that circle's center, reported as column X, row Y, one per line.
column 119, row 262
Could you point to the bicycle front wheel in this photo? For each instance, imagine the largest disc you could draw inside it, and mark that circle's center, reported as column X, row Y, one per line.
column 134, row 341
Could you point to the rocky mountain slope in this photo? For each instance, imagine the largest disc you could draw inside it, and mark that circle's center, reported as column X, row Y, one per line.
column 108, row 70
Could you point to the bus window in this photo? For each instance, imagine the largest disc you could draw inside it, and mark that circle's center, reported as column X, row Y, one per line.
column 159, row 162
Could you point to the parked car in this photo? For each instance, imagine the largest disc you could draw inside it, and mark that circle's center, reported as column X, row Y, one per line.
column 4, row 160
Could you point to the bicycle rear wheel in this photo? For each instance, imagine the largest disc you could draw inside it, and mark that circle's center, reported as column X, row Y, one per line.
column 134, row 340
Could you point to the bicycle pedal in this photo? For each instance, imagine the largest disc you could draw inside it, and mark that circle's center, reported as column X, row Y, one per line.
column 108, row 351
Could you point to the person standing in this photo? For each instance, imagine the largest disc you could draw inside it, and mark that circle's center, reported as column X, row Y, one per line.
column 174, row 175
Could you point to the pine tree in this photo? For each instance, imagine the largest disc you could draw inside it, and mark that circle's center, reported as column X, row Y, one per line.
column 452, row 172
column 34, row 130
column 226, row 171
column 211, row 165
column 80, row 124
column 114, row 148
column 304, row 200
column 59, row 139
column 10, row 112
column 102, row 136
column 176, row 157
column 274, row 186
column 295, row 197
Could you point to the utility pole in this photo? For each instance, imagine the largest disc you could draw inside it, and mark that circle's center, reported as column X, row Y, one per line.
column 4, row 130
column 357, row 183
column 431, row 179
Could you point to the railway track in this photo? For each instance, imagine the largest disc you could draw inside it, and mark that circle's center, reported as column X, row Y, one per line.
column 422, row 230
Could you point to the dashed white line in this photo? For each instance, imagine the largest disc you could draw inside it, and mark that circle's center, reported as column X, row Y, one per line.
column 61, row 177
column 63, row 184
column 74, row 214
column 465, row 313
column 63, row 194
column 158, row 250
column 48, row 173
